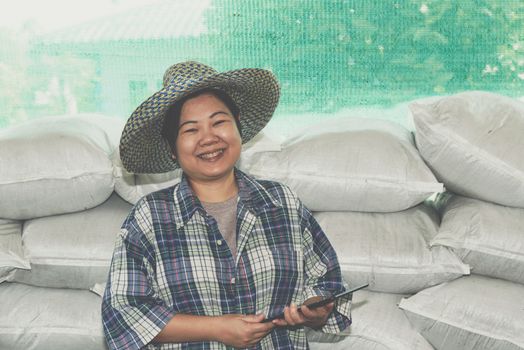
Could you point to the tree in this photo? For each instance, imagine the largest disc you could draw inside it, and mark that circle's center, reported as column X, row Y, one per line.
column 334, row 53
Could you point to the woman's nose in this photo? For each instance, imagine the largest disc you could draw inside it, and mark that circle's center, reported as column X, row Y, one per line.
column 208, row 136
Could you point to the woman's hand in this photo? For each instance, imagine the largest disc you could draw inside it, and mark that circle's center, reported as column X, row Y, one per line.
column 313, row 318
column 242, row 331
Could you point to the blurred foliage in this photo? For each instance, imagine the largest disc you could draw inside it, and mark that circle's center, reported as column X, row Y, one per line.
column 327, row 54
column 336, row 53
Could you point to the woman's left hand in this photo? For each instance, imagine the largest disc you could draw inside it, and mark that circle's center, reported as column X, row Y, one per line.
column 313, row 318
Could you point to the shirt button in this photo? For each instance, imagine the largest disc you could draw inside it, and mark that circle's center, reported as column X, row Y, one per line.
column 233, row 280
column 219, row 242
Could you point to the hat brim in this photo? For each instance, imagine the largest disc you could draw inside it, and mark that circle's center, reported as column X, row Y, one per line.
column 142, row 147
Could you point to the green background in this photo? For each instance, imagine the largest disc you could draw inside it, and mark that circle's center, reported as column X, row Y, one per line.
column 329, row 55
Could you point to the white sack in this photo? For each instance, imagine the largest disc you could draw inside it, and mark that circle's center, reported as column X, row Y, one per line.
column 470, row 313
column 486, row 236
column 378, row 324
column 262, row 142
column 55, row 165
column 72, row 250
column 350, row 164
column 11, row 252
column 98, row 289
column 390, row 251
column 474, row 144
column 131, row 187
column 33, row 318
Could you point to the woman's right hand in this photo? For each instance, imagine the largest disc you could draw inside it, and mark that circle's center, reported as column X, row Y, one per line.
column 242, row 331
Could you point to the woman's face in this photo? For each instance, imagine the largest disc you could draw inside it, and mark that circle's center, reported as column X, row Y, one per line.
column 208, row 143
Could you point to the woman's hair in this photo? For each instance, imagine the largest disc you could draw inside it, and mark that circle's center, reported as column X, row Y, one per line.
column 172, row 116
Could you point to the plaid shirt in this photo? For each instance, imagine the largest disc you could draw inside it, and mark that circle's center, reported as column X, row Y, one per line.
column 170, row 258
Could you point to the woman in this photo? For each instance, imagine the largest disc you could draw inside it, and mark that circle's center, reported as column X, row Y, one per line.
column 202, row 264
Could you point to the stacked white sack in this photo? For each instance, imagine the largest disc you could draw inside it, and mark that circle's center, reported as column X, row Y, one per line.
column 486, row 236
column 56, row 165
column 470, row 313
column 379, row 325
column 56, row 177
column 12, row 256
column 473, row 142
column 49, row 318
column 390, row 251
column 50, row 167
column 72, row 250
column 349, row 164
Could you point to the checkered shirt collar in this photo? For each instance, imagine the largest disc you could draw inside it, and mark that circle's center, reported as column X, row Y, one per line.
column 253, row 195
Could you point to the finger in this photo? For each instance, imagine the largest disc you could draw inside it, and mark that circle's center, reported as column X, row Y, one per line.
column 328, row 308
column 321, row 313
column 257, row 326
column 263, row 329
column 254, row 318
column 311, row 314
column 293, row 316
column 280, row 322
column 287, row 316
column 263, row 326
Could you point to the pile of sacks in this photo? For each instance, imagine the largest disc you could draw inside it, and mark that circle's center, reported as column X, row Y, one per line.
column 58, row 219
column 473, row 143
column 445, row 273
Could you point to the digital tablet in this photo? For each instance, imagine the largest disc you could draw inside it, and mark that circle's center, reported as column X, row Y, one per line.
column 323, row 301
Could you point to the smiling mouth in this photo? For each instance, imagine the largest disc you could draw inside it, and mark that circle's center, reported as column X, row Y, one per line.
column 211, row 155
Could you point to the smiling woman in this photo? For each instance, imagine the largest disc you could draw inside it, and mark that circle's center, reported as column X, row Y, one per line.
column 171, row 273
column 208, row 145
column 172, row 120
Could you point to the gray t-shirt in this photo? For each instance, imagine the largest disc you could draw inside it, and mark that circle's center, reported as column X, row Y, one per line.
column 225, row 213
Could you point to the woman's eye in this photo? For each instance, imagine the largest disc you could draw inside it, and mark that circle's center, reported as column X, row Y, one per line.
column 189, row 131
column 218, row 122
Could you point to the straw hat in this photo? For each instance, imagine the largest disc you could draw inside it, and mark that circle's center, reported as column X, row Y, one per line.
column 142, row 147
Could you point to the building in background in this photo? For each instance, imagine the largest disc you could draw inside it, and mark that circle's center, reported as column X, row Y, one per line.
column 125, row 55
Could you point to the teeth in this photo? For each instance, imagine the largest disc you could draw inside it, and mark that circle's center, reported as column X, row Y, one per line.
column 211, row 155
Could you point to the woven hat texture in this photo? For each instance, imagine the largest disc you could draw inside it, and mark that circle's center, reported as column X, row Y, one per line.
column 254, row 90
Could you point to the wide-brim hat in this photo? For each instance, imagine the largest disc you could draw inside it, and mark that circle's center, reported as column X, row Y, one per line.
column 143, row 149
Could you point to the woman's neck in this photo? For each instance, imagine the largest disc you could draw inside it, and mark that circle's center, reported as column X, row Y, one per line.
column 215, row 191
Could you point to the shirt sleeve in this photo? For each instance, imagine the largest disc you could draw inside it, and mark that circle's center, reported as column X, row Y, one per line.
column 132, row 314
column 322, row 273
